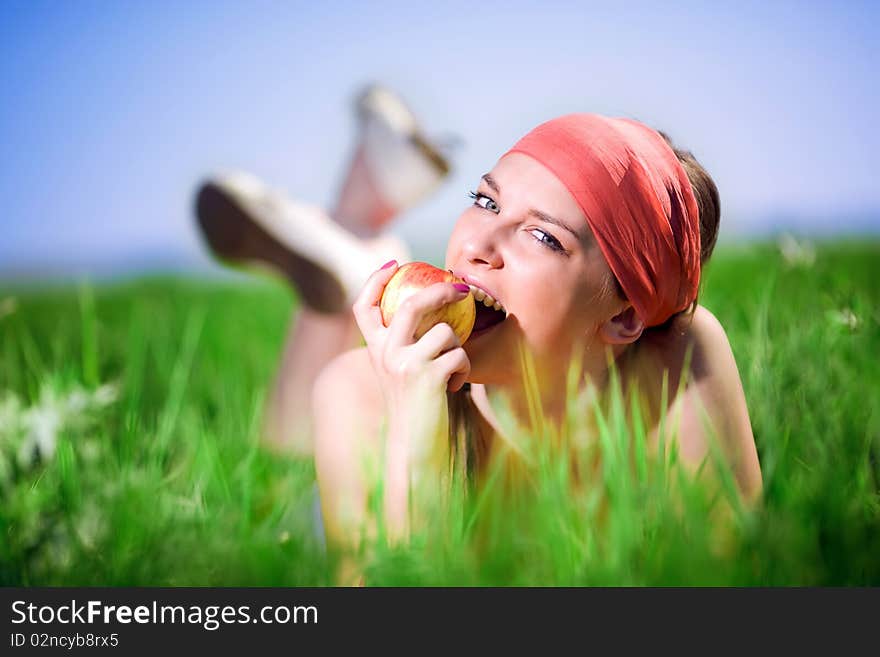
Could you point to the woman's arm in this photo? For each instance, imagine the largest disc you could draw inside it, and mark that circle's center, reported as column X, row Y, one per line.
column 353, row 449
column 715, row 393
column 346, row 411
column 416, row 480
column 398, row 383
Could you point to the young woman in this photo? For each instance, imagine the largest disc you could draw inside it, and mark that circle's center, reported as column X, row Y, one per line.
column 590, row 234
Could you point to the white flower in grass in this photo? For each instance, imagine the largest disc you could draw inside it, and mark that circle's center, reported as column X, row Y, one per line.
column 796, row 253
column 77, row 402
column 106, row 394
column 80, row 401
column 41, row 423
column 844, row 317
column 41, row 434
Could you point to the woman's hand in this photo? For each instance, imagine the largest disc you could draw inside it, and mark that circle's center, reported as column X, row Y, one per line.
column 404, row 366
column 414, row 376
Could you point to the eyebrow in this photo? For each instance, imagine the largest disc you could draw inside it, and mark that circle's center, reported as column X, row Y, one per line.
column 543, row 216
column 491, row 182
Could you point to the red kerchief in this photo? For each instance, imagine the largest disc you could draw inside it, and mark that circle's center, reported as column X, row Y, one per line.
column 637, row 199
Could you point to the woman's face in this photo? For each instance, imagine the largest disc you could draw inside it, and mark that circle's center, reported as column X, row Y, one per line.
column 526, row 242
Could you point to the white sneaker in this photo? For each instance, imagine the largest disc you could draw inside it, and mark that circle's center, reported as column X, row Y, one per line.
column 406, row 164
column 244, row 220
column 394, row 165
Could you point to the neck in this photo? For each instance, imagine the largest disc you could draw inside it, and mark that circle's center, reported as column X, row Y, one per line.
column 548, row 400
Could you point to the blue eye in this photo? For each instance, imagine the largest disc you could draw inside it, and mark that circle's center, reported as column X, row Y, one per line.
column 548, row 240
column 484, row 202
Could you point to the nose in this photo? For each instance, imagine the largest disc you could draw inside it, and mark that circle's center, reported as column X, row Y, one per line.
column 482, row 248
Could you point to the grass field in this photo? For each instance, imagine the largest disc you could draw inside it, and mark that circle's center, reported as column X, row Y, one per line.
column 130, row 418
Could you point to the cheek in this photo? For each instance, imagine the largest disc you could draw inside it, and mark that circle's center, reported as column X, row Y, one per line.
column 552, row 320
column 548, row 318
column 456, row 239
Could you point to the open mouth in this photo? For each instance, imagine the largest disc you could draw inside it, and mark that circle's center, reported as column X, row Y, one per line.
column 489, row 311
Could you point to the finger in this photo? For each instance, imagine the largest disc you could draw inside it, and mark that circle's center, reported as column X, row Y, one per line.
column 366, row 305
column 456, row 381
column 439, row 339
column 455, row 366
column 411, row 313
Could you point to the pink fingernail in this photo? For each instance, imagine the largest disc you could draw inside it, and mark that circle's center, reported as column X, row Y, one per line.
column 389, row 263
column 462, row 287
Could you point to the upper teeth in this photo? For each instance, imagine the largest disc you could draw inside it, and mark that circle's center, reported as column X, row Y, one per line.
column 488, row 300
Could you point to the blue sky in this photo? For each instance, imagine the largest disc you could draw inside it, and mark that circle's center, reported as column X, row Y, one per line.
column 112, row 112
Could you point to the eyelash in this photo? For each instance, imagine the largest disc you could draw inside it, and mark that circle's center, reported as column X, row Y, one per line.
column 551, row 243
column 477, row 197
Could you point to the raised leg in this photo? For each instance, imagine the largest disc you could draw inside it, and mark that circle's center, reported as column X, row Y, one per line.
column 313, row 340
column 393, row 167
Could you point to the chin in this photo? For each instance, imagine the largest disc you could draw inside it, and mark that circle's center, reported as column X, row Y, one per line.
column 489, row 373
column 494, row 357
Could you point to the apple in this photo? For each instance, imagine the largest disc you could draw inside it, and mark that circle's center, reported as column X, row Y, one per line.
column 414, row 276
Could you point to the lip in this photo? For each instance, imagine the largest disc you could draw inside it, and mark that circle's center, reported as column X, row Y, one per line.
column 473, row 280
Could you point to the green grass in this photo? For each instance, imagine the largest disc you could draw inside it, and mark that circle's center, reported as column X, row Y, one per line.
column 154, row 388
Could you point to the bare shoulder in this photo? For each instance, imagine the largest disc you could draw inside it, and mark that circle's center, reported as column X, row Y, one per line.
column 350, row 375
column 713, row 401
column 707, row 333
column 346, row 397
column 703, row 336
column 705, row 324
column 712, row 368
column 701, row 345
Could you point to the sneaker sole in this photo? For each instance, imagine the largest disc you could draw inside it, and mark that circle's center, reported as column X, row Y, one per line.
column 236, row 237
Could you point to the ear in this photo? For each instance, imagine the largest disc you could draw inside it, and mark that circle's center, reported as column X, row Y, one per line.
column 624, row 328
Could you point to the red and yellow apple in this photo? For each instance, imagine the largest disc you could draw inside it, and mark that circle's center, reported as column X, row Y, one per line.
column 415, row 276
